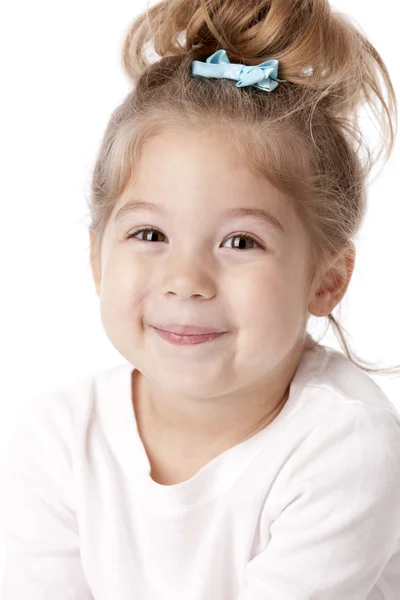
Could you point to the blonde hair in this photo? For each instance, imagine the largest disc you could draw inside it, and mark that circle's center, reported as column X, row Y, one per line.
column 304, row 137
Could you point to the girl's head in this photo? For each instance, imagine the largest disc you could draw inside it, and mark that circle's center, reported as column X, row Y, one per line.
column 194, row 150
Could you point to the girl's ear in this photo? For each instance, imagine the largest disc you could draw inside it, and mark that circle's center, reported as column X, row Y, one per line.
column 333, row 282
column 95, row 262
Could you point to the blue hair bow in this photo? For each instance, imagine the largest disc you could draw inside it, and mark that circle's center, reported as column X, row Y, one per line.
column 218, row 65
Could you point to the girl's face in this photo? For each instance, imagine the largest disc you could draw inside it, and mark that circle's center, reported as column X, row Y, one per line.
column 191, row 272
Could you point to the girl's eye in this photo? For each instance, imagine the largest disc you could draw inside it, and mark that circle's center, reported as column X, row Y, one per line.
column 237, row 236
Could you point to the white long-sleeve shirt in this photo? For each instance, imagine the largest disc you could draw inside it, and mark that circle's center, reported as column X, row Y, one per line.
column 306, row 509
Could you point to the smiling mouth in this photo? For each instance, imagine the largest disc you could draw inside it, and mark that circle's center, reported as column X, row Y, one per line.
column 187, row 329
column 183, row 340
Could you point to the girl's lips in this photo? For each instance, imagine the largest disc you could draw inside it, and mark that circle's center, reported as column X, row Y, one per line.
column 185, row 340
column 186, row 329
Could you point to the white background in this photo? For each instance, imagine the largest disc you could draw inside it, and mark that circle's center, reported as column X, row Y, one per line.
column 61, row 78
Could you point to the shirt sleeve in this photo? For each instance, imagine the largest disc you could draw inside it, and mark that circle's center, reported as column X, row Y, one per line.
column 334, row 511
column 38, row 523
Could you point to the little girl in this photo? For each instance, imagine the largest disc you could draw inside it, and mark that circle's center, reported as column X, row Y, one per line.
column 232, row 457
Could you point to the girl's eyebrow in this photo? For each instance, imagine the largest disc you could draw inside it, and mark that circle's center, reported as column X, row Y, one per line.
column 260, row 214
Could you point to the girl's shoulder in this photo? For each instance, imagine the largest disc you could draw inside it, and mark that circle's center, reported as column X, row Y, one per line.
column 63, row 409
column 341, row 382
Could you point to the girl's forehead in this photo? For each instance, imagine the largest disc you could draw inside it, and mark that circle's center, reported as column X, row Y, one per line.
column 212, row 163
column 204, row 171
